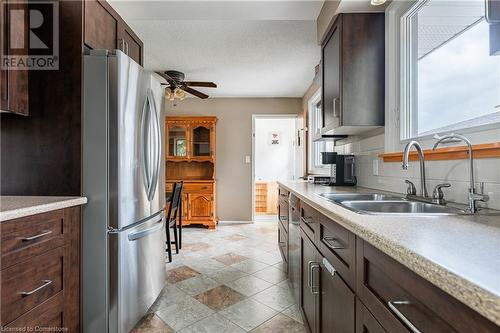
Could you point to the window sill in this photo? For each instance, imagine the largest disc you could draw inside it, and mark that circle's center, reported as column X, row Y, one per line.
column 485, row 150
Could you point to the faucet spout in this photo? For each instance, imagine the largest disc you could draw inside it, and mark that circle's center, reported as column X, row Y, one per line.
column 406, row 158
column 473, row 195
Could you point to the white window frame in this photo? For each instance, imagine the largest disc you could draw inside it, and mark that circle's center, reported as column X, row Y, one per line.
column 398, row 118
column 312, row 126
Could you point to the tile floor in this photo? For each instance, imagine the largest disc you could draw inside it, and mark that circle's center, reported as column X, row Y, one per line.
column 228, row 280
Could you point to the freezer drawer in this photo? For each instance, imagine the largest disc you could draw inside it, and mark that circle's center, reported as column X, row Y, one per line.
column 138, row 273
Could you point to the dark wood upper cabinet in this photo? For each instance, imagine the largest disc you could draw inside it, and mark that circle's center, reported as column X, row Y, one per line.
column 353, row 74
column 14, row 90
column 100, row 26
column 105, row 29
column 129, row 43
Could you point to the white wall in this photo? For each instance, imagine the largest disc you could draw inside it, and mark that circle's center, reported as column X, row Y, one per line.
column 274, row 162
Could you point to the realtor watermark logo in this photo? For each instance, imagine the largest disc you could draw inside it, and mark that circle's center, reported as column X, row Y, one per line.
column 31, row 35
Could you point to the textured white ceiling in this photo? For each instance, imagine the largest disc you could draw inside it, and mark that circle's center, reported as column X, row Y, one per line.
column 253, row 52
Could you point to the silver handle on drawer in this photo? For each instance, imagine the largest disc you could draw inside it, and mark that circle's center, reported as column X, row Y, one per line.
column 281, row 243
column 283, row 217
column 46, row 283
column 408, row 323
column 306, row 220
column 314, row 289
column 43, row 233
column 333, row 243
column 329, row 267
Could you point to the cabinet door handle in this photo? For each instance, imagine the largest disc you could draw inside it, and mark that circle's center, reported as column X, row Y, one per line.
column 402, row 317
column 309, row 270
column 314, row 289
column 45, row 284
column 335, row 114
column 306, row 220
column 283, row 218
column 43, row 233
column 333, row 243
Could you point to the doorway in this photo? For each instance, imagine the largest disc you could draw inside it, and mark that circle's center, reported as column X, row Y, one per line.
column 274, row 158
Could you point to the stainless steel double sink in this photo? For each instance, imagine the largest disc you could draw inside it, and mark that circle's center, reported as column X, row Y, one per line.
column 385, row 204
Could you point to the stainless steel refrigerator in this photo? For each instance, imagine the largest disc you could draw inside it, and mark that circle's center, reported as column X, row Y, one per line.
column 123, row 249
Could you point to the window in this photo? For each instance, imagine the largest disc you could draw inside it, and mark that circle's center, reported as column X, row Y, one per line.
column 314, row 127
column 450, row 80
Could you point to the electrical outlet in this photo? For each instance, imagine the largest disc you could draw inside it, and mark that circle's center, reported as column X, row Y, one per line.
column 375, row 167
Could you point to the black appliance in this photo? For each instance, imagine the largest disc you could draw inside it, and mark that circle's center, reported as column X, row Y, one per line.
column 343, row 168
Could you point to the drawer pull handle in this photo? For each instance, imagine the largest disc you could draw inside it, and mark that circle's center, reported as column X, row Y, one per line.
column 283, row 195
column 44, row 233
column 283, row 218
column 204, row 187
column 281, row 243
column 333, row 243
column 45, row 284
column 306, row 220
column 392, row 306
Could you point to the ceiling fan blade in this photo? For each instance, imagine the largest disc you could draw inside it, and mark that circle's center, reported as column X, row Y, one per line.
column 165, row 76
column 194, row 92
column 200, row 84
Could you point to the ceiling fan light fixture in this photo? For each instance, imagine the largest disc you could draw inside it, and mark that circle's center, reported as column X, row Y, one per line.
column 169, row 94
column 179, row 94
column 377, row 2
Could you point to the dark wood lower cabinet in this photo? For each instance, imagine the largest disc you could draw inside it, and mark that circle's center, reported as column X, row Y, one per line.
column 309, row 257
column 40, row 276
column 402, row 301
column 365, row 322
column 327, row 302
column 386, row 295
column 337, row 301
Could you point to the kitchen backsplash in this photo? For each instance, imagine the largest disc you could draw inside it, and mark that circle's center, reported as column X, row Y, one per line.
column 391, row 176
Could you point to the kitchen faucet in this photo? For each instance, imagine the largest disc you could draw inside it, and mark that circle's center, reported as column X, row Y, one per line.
column 473, row 196
column 406, row 155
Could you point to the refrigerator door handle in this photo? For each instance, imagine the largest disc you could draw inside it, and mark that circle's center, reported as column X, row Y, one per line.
column 143, row 233
column 157, row 143
column 145, row 150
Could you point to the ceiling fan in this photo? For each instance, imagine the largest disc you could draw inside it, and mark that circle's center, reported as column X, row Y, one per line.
column 177, row 87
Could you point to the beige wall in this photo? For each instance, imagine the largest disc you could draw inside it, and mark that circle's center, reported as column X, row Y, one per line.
column 233, row 143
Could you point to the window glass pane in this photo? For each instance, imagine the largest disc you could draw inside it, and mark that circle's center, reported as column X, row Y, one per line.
column 454, row 78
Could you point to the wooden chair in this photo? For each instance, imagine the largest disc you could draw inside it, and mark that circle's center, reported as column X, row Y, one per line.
column 174, row 219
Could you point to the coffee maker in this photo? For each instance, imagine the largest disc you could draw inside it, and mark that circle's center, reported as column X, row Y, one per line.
column 342, row 168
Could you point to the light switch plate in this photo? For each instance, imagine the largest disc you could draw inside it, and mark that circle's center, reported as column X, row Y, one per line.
column 247, row 159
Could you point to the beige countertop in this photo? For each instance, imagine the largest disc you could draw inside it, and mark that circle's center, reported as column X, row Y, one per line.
column 13, row 207
column 459, row 254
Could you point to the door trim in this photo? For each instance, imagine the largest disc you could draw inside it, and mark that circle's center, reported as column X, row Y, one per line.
column 263, row 116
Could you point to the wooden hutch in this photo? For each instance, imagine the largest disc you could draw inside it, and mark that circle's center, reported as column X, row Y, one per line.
column 190, row 157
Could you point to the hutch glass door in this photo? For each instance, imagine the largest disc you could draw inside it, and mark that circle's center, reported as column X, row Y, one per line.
column 177, row 141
